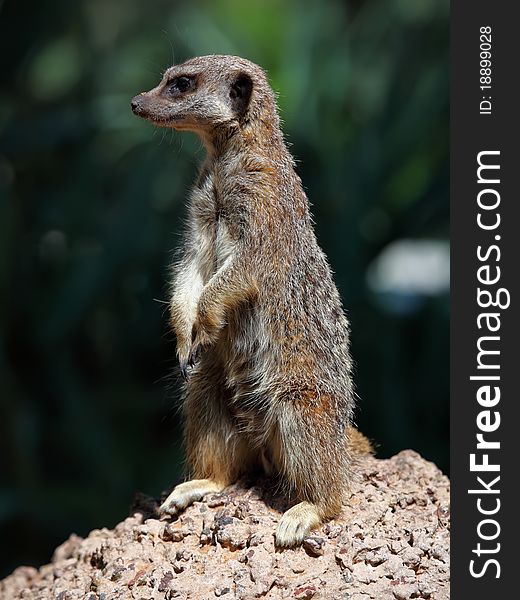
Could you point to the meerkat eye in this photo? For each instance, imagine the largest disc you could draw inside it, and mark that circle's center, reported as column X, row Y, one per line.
column 181, row 84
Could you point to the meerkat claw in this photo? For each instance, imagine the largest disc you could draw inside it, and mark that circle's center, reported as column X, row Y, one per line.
column 194, row 355
column 183, row 364
column 186, row 365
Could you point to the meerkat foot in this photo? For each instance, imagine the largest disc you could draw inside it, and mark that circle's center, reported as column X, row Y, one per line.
column 296, row 523
column 186, row 493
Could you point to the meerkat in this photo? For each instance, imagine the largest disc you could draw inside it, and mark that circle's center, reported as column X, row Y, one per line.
column 262, row 338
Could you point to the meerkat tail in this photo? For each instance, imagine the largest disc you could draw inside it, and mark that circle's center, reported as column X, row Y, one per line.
column 359, row 443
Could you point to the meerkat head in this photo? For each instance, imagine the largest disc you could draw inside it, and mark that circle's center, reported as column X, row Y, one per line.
column 208, row 93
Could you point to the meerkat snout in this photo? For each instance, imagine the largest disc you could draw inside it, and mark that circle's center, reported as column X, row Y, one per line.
column 136, row 104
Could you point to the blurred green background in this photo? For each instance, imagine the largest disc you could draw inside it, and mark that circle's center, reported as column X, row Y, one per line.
column 91, row 206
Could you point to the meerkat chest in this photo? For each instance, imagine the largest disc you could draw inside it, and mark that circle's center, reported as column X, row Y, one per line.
column 224, row 244
column 214, row 231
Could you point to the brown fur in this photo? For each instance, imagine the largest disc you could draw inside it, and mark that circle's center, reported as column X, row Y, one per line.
column 261, row 334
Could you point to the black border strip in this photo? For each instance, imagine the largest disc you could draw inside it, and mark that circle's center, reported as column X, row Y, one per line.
column 472, row 133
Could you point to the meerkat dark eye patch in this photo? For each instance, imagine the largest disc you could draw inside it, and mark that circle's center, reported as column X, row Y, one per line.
column 181, row 84
column 240, row 92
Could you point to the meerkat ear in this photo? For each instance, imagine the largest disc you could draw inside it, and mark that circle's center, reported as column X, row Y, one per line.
column 240, row 92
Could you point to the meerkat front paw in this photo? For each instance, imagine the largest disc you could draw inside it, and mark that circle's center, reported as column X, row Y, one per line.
column 207, row 325
column 186, row 493
column 187, row 362
column 184, row 346
column 296, row 523
column 190, row 353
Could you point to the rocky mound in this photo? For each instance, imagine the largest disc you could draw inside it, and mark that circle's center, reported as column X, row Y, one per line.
column 391, row 541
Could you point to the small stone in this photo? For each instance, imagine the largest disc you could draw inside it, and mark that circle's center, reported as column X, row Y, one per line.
column 178, row 567
column 223, row 521
column 332, row 531
column 231, row 533
column 256, row 540
column 206, row 536
column 217, row 500
column 173, row 534
column 242, row 510
column 343, row 557
column 305, row 592
column 117, row 573
column 347, row 576
column 443, row 514
column 165, row 583
column 183, row 555
column 405, row 592
column 376, row 557
column 314, row 546
column 411, row 557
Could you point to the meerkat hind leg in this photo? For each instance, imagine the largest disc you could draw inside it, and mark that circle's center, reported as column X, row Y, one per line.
column 187, row 493
column 296, row 523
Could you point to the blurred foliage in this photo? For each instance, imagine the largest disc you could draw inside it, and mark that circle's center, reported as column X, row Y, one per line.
column 91, row 204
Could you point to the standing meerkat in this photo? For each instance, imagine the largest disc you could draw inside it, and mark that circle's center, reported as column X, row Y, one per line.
column 262, row 339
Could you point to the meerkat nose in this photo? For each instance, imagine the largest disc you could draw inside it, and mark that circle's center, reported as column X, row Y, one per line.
column 136, row 104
